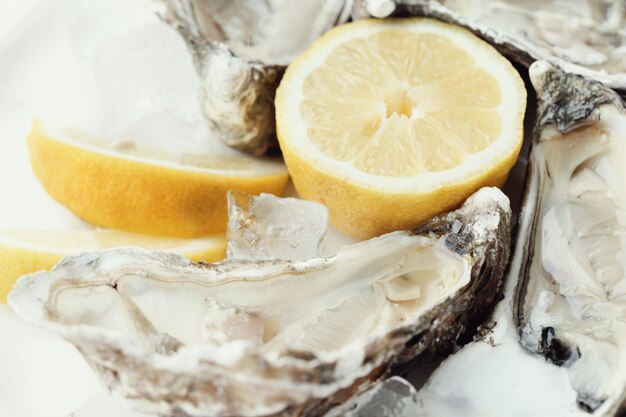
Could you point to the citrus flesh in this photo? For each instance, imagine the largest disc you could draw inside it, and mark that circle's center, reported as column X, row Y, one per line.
column 391, row 122
column 144, row 190
column 26, row 251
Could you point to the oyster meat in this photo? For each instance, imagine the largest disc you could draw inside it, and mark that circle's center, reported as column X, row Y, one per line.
column 261, row 338
column 241, row 49
column 586, row 37
column 571, row 299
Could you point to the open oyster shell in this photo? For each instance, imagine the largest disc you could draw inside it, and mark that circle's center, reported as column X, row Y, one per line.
column 241, row 49
column 586, row 37
column 571, row 297
column 261, row 338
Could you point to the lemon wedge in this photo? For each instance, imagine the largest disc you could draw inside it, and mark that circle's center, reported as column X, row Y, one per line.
column 390, row 122
column 121, row 186
column 26, row 251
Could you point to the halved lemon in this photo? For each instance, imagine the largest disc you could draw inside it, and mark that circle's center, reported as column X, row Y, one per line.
column 26, row 251
column 390, row 122
column 121, row 186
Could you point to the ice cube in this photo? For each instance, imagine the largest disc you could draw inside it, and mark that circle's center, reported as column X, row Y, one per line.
column 269, row 227
column 395, row 397
column 148, row 92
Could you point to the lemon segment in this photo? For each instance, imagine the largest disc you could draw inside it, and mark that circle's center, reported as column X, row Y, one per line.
column 144, row 191
column 26, row 251
column 390, row 122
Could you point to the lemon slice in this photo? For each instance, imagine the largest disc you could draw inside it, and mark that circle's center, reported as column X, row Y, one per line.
column 26, row 251
column 121, row 186
column 390, row 122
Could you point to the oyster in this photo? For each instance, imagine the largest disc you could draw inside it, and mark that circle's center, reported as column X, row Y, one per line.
column 261, row 338
column 586, row 37
column 241, row 49
column 571, row 299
